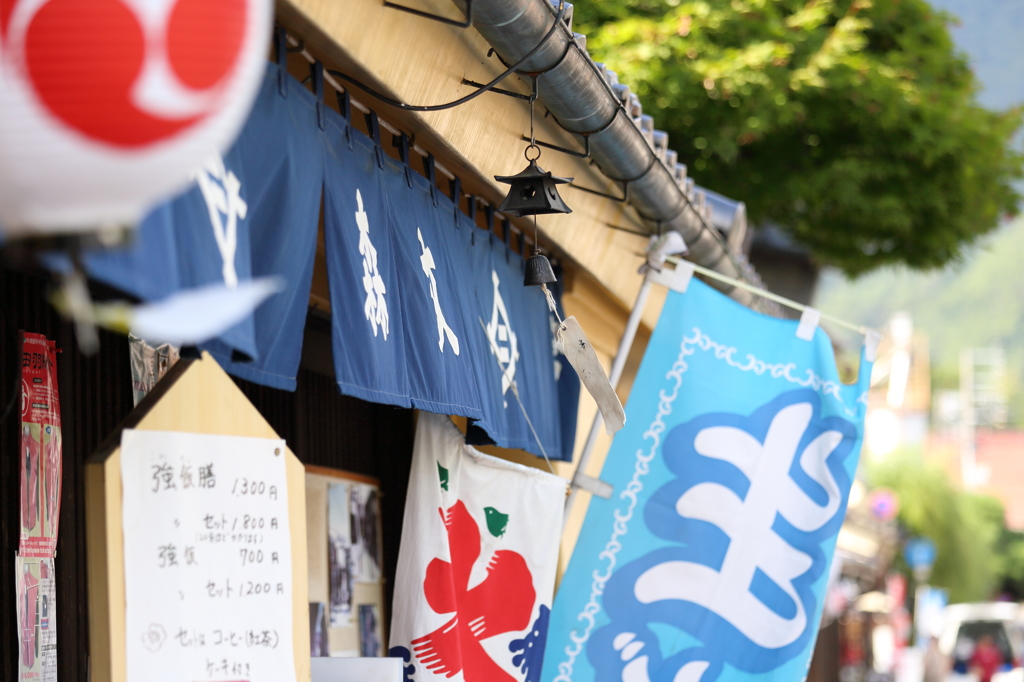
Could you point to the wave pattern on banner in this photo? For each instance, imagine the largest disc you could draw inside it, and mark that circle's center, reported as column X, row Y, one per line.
column 624, row 515
column 776, row 370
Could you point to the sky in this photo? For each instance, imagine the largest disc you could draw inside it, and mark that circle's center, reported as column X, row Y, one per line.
column 991, row 32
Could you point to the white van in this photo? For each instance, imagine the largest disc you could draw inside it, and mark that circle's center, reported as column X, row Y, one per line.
column 964, row 624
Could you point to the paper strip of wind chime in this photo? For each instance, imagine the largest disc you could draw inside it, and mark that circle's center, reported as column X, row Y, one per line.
column 732, row 477
column 476, row 568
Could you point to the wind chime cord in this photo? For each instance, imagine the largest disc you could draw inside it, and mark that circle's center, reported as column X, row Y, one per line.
column 473, row 95
column 533, row 101
column 551, row 302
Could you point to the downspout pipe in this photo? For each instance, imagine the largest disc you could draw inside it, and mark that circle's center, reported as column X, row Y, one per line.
column 576, row 93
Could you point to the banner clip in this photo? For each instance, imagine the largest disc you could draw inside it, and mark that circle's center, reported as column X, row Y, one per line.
column 871, row 339
column 594, row 486
column 809, row 320
column 677, row 280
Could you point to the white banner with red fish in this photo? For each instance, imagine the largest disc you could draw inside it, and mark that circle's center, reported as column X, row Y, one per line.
column 476, row 569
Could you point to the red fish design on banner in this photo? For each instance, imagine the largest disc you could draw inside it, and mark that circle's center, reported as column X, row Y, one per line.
column 109, row 105
column 502, row 603
column 476, row 568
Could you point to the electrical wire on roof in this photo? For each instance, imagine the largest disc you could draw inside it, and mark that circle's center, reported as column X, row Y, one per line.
column 462, row 100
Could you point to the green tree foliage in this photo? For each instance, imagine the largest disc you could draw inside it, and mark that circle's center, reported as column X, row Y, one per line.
column 1008, row 545
column 977, row 556
column 853, row 124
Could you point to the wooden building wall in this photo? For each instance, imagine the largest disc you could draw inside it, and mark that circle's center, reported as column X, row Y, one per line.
column 320, row 425
column 95, row 393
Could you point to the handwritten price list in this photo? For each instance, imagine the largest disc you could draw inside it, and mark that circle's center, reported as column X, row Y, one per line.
column 208, row 577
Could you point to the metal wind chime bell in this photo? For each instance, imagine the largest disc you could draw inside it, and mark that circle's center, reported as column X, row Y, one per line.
column 538, row 270
column 532, row 192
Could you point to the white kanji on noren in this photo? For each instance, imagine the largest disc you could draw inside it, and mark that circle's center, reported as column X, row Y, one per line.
column 221, row 190
column 504, row 342
column 376, row 308
column 428, row 265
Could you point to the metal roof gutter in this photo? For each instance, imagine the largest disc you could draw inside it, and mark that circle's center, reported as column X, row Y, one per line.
column 587, row 100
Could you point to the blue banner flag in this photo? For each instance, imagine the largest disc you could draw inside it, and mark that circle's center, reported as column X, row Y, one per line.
column 731, row 478
column 514, row 351
column 250, row 213
column 281, row 146
column 428, row 310
column 442, row 376
column 197, row 238
column 411, row 277
column 366, row 313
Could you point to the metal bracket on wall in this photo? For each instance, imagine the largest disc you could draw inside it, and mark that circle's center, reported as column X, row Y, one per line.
column 500, row 91
column 444, row 20
column 625, row 183
column 585, row 154
column 627, row 230
column 622, row 199
column 592, row 485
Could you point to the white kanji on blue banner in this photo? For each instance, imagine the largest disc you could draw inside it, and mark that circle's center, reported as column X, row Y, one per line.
column 732, row 477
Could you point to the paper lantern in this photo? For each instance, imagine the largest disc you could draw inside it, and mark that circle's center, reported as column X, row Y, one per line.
column 108, row 106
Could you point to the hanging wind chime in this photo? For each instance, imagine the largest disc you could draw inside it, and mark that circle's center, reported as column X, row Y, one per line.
column 533, row 191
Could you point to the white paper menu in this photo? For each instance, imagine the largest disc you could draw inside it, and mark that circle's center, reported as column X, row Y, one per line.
column 208, row 566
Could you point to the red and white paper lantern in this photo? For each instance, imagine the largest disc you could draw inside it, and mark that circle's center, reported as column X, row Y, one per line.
column 107, row 106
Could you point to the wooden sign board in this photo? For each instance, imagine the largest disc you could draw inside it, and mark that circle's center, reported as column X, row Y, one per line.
column 196, row 396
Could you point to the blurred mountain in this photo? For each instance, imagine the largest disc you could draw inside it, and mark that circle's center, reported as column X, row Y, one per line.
column 979, row 303
column 989, row 31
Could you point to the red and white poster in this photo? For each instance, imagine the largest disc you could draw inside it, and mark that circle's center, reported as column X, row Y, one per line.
column 40, row 451
column 476, row 568
column 37, row 619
